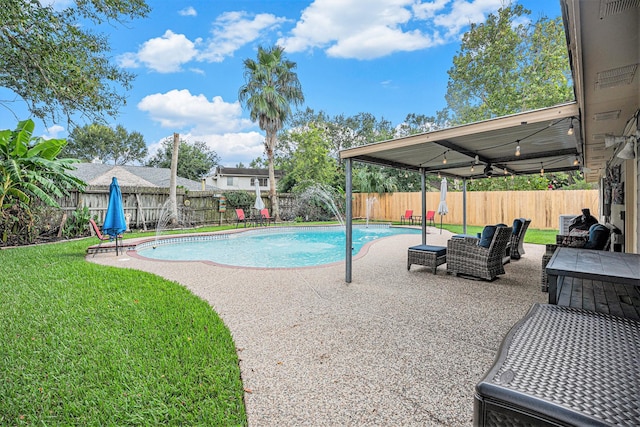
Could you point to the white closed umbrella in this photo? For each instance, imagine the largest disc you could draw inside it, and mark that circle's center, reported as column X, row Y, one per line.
column 259, row 205
column 442, row 207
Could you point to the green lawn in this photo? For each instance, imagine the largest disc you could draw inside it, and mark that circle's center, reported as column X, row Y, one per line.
column 532, row 235
column 84, row 344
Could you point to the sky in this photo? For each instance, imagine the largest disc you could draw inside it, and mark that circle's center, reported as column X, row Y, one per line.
column 385, row 57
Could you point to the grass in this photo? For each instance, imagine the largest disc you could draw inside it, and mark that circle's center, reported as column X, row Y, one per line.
column 540, row 237
column 84, row 344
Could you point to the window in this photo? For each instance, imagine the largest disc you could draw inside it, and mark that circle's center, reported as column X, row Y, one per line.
column 262, row 181
column 229, row 181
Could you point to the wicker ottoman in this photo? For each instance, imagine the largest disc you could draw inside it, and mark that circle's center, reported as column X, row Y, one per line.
column 429, row 256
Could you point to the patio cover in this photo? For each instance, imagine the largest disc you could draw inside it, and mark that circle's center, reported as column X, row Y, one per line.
column 541, row 134
column 489, row 146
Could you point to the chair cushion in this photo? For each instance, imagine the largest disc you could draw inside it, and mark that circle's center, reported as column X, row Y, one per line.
column 439, row 250
column 598, row 237
column 517, row 225
column 487, row 236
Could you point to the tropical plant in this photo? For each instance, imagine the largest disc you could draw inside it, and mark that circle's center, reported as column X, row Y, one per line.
column 270, row 89
column 77, row 224
column 372, row 179
column 29, row 168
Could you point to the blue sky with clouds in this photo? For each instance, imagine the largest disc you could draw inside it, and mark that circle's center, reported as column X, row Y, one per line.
column 384, row 57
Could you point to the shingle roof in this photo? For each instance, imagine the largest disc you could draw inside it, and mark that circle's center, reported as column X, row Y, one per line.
column 132, row 176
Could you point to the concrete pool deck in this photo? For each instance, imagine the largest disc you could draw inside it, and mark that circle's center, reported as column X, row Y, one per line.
column 394, row 347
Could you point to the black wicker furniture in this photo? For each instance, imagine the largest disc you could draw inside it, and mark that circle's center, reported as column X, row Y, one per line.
column 429, row 256
column 604, row 266
column 562, row 366
column 467, row 258
column 517, row 239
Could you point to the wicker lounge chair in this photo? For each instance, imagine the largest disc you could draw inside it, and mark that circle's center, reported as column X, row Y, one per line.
column 466, row 257
column 517, row 238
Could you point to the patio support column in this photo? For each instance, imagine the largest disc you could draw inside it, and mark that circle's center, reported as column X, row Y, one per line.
column 464, row 206
column 349, row 223
column 423, row 187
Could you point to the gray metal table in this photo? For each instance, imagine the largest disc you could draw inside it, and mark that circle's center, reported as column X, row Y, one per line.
column 612, row 267
column 563, row 366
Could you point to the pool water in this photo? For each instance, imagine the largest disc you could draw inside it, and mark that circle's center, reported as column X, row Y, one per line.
column 284, row 247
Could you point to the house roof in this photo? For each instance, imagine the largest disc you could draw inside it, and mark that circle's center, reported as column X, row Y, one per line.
column 251, row 172
column 132, row 176
column 603, row 40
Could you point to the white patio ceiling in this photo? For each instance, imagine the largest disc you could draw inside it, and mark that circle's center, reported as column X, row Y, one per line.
column 541, row 134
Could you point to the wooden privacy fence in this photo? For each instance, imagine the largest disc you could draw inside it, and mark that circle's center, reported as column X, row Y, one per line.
column 483, row 207
column 144, row 206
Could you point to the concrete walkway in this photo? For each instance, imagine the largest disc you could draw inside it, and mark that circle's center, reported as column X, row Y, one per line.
column 394, row 347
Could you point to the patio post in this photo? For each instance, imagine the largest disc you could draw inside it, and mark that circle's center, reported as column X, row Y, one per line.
column 424, row 205
column 464, row 205
column 349, row 223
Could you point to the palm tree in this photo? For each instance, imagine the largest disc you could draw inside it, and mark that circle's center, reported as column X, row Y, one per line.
column 271, row 87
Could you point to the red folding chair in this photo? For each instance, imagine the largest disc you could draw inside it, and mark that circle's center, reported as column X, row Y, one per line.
column 407, row 217
column 431, row 215
column 102, row 237
column 264, row 214
column 241, row 217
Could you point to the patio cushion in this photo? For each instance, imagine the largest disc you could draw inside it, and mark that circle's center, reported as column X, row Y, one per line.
column 487, row 235
column 598, row 236
column 439, row 250
column 517, row 225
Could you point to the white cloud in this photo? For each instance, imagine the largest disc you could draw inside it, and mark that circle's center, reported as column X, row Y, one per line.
column 232, row 148
column 164, row 54
column 372, row 29
column 232, row 30
column 188, row 11
column 179, row 109
column 53, row 132
column 463, row 13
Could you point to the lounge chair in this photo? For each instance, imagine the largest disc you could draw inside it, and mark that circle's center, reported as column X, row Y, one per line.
column 407, row 217
column 240, row 217
column 431, row 215
column 480, row 258
column 102, row 237
column 265, row 217
column 520, row 226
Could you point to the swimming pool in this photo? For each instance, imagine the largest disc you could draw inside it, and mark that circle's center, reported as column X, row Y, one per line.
column 277, row 247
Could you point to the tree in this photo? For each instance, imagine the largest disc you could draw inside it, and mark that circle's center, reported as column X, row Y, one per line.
column 270, row 89
column 504, row 68
column 56, row 64
column 102, row 142
column 373, row 179
column 310, row 162
column 195, row 160
column 30, row 168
